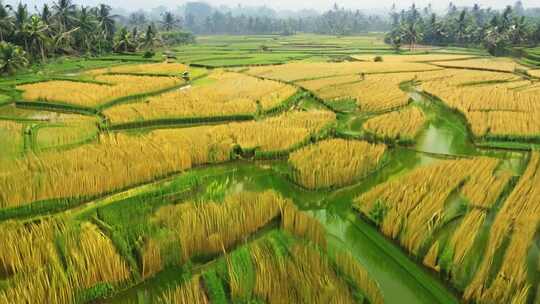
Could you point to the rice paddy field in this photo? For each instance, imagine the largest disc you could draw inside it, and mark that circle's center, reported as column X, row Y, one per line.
column 283, row 169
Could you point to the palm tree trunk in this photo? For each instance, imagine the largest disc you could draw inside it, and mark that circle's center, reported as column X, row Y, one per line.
column 43, row 58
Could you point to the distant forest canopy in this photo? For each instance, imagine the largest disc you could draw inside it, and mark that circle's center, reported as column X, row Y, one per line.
column 62, row 27
column 497, row 31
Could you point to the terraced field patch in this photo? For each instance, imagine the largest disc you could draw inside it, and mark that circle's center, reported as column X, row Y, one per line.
column 222, row 94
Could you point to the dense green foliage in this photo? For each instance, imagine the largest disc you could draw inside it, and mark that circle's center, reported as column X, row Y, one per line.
column 496, row 31
column 67, row 29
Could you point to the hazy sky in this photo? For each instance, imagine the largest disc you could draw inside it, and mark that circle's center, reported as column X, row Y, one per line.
column 291, row 4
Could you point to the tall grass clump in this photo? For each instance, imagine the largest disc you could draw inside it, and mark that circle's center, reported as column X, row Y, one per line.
column 334, row 162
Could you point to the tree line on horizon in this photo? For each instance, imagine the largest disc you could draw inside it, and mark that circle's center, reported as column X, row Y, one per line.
column 64, row 28
column 497, row 31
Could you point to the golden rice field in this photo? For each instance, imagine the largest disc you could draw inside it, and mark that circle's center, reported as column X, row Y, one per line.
column 492, row 109
column 128, row 160
column 162, row 68
column 395, row 205
column 334, row 162
column 404, row 124
column 372, row 94
column 300, row 204
column 93, row 94
column 513, row 223
column 492, row 64
column 414, row 58
column 65, row 135
column 309, row 71
column 535, row 73
column 297, row 272
column 12, row 139
column 33, row 258
column 227, row 94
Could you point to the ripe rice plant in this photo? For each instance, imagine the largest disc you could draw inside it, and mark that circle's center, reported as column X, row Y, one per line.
column 494, row 104
column 414, row 205
column 375, row 93
column 65, row 135
column 534, row 73
column 217, row 226
column 491, row 64
column 281, row 269
column 296, row 278
column 214, row 226
column 27, row 248
column 12, row 139
column 92, row 258
column 127, row 160
column 513, row 223
column 161, row 68
column 431, row 258
column 463, row 238
column 190, row 292
column 403, row 125
column 361, row 278
column 300, row 71
column 40, row 276
column 93, row 94
column 302, row 225
column 287, row 130
column 229, row 94
column 413, row 58
column 151, row 258
column 124, row 160
column 334, row 162
column 321, row 83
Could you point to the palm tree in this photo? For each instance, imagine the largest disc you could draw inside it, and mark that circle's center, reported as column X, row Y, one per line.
column 149, row 38
column 46, row 14
column 6, row 22
column 106, row 25
column 105, row 20
column 519, row 30
column 20, row 19
column 21, row 16
column 461, row 27
column 64, row 13
column 169, row 21
column 87, row 26
column 35, row 34
column 12, row 58
column 412, row 34
column 123, row 42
